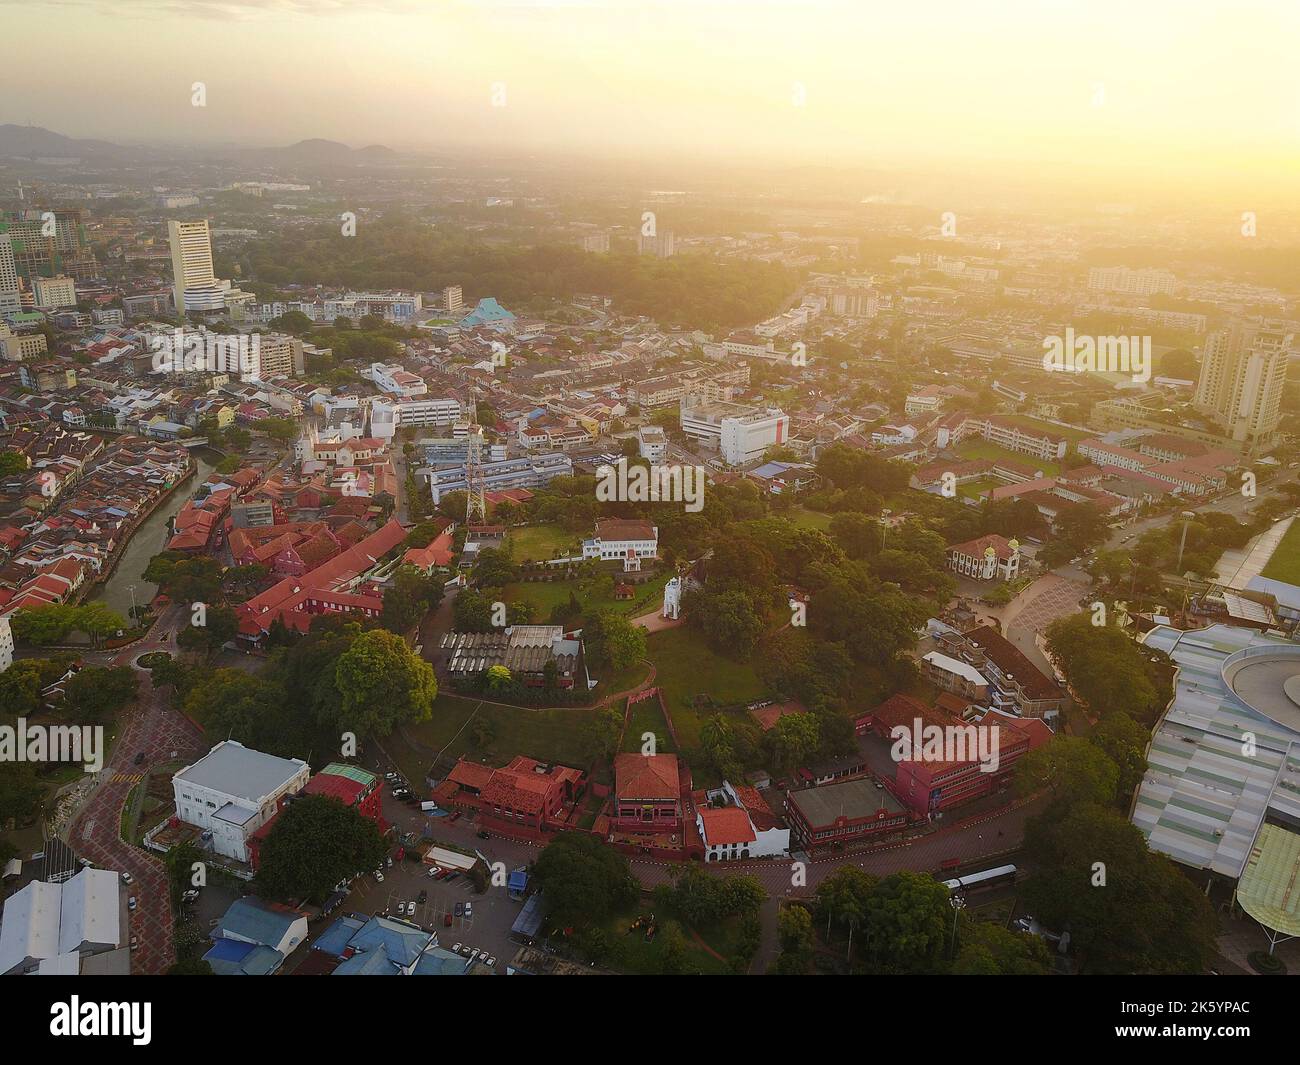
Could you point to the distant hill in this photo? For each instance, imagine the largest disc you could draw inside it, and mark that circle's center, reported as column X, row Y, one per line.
column 35, row 141
column 332, row 153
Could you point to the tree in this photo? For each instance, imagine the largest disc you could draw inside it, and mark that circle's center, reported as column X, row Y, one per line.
column 905, row 919
column 1124, row 742
column 988, row 949
column 95, row 694
column 315, row 842
column 471, row 611
column 1128, row 908
column 794, row 930
column 612, row 639
column 409, row 597
column 382, row 684
column 792, row 739
column 12, row 462
column 842, row 899
column 220, row 626
column 600, row 735
column 583, row 879
column 1069, row 768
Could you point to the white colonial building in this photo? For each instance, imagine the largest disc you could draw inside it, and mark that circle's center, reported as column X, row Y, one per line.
column 988, row 558
column 742, row 828
column 625, row 540
column 232, row 791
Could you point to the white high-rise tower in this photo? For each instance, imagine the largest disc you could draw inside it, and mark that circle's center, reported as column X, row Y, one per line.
column 192, row 271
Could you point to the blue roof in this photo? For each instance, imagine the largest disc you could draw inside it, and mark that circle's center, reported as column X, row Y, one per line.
column 440, row 962
column 517, row 881
column 529, row 921
column 229, row 957
column 401, row 941
column 487, row 311
column 249, row 918
column 335, row 938
column 372, row 963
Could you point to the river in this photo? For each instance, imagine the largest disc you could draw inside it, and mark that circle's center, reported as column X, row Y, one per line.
column 147, row 541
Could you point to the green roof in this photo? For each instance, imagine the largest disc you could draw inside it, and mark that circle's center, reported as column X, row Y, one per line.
column 1269, row 889
column 351, row 772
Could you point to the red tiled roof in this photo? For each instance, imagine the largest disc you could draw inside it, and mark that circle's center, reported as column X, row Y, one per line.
column 639, row 776
column 725, row 826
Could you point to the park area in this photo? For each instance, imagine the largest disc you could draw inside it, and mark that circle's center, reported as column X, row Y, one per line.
column 982, row 449
column 1284, row 565
column 539, row 543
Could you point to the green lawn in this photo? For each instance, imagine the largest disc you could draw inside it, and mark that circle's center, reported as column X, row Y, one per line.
column 972, row 489
column 595, row 594
column 547, row 735
column 538, row 543
column 982, row 449
column 1285, row 563
column 630, row 953
column 686, row 666
column 647, row 717
column 809, row 519
column 1035, row 424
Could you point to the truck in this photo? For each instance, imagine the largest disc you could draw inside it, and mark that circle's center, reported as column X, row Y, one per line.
column 428, row 806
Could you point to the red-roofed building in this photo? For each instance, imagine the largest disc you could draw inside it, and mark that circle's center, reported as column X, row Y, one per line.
column 526, row 797
column 986, row 558
column 329, row 588
column 986, row 756
column 742, row 827
column 647, row 793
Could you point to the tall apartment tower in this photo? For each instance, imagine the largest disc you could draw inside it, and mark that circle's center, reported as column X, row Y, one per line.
column 191, row 246
column 1243, row 375
column 452, row 299
column 10, row 301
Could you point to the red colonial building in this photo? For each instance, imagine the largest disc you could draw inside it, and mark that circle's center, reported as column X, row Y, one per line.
column 525, row 797
column 843, row 813
column 647, row 794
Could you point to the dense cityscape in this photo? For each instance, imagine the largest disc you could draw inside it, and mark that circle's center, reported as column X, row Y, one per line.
column 467, row 561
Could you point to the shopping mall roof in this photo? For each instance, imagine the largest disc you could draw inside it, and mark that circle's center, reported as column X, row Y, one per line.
column 1227, row 751
column 1270, row 885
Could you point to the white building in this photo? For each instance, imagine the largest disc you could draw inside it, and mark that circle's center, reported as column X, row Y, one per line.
column 742, row 829
column 397, row 381
column 673, row 598
column 742, row 434
column 6, row 644
column 622, row 539
column 986, row 558
column 54, row 292
column 232, row 791
column 51, row 926
column 653, row 443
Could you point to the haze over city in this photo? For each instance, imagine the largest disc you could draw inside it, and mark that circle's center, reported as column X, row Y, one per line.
column 1103, row 90
column 649, row 488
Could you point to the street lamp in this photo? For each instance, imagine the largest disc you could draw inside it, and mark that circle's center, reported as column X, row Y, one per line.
column 131, row 588
column 958, row 903
column 1187, row 517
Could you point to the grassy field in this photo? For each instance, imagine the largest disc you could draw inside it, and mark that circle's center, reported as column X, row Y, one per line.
column 548, row 735
column 647, row 717
column 809, row 519
column 631, row 953
column 1026, row 422
column 972, row 489
column 594, row 594
column 1285, row 563
column 686, row 666
column 982, row 449
column 537, row 543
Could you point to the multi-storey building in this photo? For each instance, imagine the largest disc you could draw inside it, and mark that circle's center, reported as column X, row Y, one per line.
column 1243, row 376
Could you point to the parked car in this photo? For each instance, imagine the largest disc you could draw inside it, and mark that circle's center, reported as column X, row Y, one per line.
column 456, row 948
column 454, row 817
column 390, row 861
column 127, row 878
column 434, row 871
column 482, row 834
column 460, row 909
column 130, row 904
column 491, row 963
column 410, row 909
column 190, row 895
column 379, row 876
column 446, row 920
column 135, row 942
column 469, row 910
column 139, row 758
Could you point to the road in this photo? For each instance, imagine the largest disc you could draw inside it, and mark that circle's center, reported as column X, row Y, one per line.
column 162, row 735
column 1233, row 503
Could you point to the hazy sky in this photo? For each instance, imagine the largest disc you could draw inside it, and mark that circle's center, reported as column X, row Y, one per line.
column 1154, row 86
